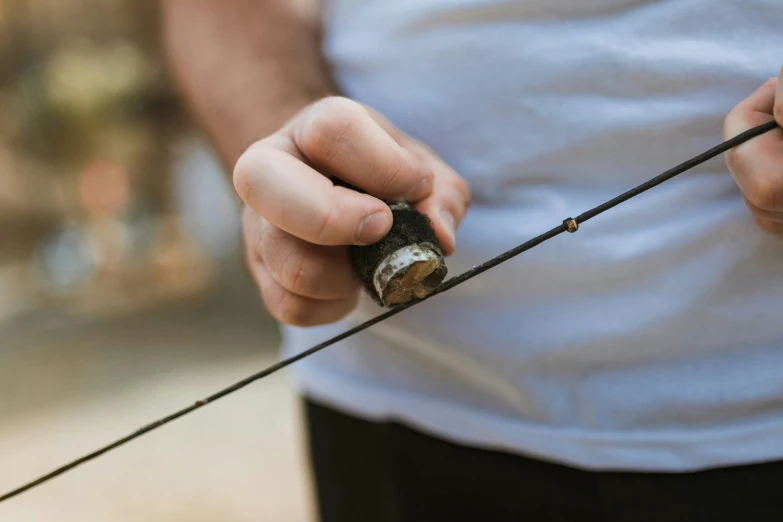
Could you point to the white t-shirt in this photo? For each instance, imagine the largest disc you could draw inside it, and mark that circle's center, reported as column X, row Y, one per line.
column 652, row 338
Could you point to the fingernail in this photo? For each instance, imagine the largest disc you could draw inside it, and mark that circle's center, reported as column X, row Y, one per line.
column 420, row 190
column 373, row 228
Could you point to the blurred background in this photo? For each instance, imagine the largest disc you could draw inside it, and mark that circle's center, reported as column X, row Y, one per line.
column 122, row 296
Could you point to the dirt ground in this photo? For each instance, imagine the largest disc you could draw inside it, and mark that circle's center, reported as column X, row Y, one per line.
column 67, row 387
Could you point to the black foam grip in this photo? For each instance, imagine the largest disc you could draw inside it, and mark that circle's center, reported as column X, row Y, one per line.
column 409, row 227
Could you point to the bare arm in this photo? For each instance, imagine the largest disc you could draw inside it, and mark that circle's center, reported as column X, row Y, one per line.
column 244, row 66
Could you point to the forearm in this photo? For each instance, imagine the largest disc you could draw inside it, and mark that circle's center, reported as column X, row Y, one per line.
column 244, row 66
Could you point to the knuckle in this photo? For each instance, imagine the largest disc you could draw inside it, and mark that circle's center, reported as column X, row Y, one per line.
column 764, row 192
column 284, row 306
column 325, row 129
column 769, row 226
column 270, row 297
column 323, row 223
column 302, row 275
column 254, row 233
column 457, row 196
column 249, row 260
column 243, row 176
column 392, row 176
column 464, row 190
column 740, row 160
column 756, row 192
column 251, row 250
column 249, row 226
column 728, row 122
column 295, row 276
column 270, row 245
column 732, row 161
column 294, row 313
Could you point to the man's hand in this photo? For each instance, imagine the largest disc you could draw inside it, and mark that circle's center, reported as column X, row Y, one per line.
column 757, row 166
column 246, row 68
column 297, row 223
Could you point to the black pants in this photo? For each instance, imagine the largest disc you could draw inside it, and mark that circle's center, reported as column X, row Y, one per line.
column 385, row 472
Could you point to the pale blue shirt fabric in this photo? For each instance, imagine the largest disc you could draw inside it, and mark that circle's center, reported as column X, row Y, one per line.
column 651, row 339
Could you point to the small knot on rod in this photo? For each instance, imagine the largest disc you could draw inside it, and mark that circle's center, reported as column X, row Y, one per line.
column 571, row 225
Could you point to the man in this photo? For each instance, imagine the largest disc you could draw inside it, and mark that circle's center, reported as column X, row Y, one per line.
column 632, row 371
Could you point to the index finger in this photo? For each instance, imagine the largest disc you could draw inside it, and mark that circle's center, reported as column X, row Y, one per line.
column 340, row 137
column 299, row 200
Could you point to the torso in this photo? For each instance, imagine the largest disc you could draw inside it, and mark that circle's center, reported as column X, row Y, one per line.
column 652, row 329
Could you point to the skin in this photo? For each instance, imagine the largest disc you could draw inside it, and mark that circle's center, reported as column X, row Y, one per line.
column 757, row 166
column 254, row 78
column 256, row 81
